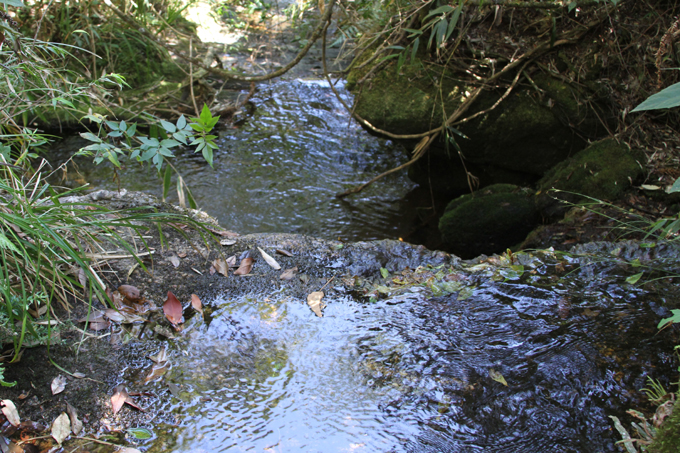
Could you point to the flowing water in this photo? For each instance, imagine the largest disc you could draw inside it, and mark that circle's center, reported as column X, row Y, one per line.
column 280, row 170
column 415, row 373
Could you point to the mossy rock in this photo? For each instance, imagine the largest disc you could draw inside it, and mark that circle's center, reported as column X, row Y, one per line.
column 603, row 171
column 667, row 439
column 488, row 221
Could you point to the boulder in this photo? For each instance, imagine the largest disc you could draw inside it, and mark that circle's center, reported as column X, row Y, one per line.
column 602, row 171
column 488, row 221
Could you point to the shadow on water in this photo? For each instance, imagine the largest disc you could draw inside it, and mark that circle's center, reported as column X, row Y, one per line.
column 280, row 170
column 413, row 373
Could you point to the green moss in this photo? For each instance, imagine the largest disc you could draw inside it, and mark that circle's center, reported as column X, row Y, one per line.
column 667, row 439
column 407, row 102
column 489, row 221
column 604, row 171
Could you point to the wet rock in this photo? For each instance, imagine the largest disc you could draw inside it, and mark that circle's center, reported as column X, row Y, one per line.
column 603, row 171
column 516, row 142
column 488, row 221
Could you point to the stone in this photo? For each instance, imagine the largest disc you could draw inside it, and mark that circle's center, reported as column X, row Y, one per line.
column 602, row 171
column 488, row 221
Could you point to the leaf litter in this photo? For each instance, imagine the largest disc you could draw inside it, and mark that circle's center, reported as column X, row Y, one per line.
column 121, row 397
column 58, row 384
column 172, row 309
column 61, row 428
column 315, row 303
column 269, row 260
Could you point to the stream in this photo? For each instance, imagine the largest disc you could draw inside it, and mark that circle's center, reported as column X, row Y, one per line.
column 534, row 362
column 280, row 169
column 420, row 369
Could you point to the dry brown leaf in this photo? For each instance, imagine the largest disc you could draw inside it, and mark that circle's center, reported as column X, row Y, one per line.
column 283, row 252
column 117, row 299
column 94, row 316
column 61, row 428
column 58, row 384
column 231, row 261
column 82, row 278
column 196, row 303
column 271, row 261
column 245, row 267
column 76, row 425
column 173, row 310
column 79, row 375
column 157, row 371
column 182, row 254
column 114, row 315
column 288, row 274
column 118, row 398
column 212, row 270
column 97, row 326
column 224, row 233
column 129, row 292
column 227, row 242
column 314, row 302
column 221, row 266
column 10, row 411
column 121, row 397
column 161, row 357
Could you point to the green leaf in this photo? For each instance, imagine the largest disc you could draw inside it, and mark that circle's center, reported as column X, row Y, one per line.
column 6, row 244
column 498, row 377
column 206, row 116
column 168, row 126
column 414, row 49
column 633, row 279
column 170, row 143
column 91, row 137
column 675, row 187
column 466, row 293
column 454, row 20
column 140, row 433
column 664, row 99
column 17, row 3
column 208, row 155
column 166, row 181
column 673, row 319
column 181, row 122
column 441, row 10
column 384, row 272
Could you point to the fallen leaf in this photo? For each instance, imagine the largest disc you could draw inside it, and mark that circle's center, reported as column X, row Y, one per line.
column 10, row 411
column 231, row 261
column 139, row 433
column 283, row 252
column 76, row 425
column 58, row 384
column 227, row 242
column 221, row 266
column 97, row 326
column 121, row 397
column 245, row 267
column 196, row 303
column 498, row 377
column 161, row 357
column 114, row 315
column 129, row 292
column 314, row 302
column 61, row 428
column 288, row 274
column 271, row 261
column 94, row 316
column 173, row 310
column 79, row 375
column 118, row 398
column 174, row 260
column 182, row 254
column 128, row 450
column 157, row 371
column 223, row 233
column 174, row 389
column 82, row 278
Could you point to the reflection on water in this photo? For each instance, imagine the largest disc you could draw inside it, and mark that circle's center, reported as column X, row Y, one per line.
column 280, row 171
column 412, row 373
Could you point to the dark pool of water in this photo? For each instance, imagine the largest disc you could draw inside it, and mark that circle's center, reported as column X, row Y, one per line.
column 280, row 170
column 412, row 373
